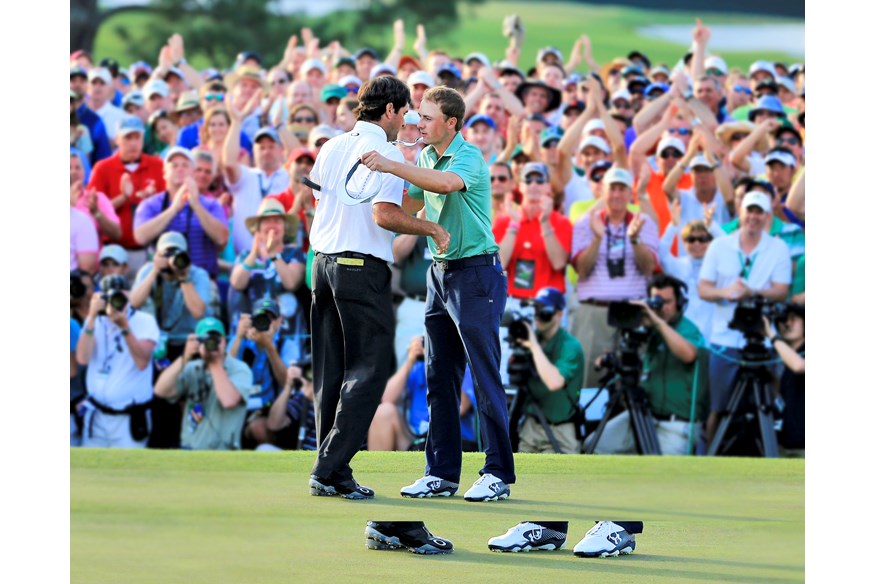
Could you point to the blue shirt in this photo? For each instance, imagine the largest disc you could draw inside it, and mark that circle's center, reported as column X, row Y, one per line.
column 417, row 408
column 166, row 301
column 97, row 129
column 189, row 137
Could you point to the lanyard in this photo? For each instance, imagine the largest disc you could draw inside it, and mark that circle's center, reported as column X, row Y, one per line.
column 610, row 239
column 266, row 190
column 746, row 265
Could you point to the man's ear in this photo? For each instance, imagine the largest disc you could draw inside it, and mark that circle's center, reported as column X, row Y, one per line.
column 390, row 108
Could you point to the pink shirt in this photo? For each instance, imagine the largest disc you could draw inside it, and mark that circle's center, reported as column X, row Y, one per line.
column 103, row 205
column 615, row 245
column 83, row 236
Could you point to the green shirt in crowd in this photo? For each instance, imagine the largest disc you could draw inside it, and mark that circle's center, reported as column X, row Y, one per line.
column 669, row 382
column 218, row 428
column 465, row 214
column 565, row 352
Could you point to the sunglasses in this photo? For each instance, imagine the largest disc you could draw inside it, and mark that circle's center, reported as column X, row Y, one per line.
column 500, row 179
column 621, row 104
column 738, row 136
column 697, row 239
column 680, row 131
column 597, row 177
column 279, row 82
column 214, row 96
column 539, row 180
column 742, row 89
column 302, row 120
column 791, row 141
column 670, row 153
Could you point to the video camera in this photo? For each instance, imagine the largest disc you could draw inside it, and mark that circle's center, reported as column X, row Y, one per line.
column 520, row 364
column 628, row 319
column 749, row 313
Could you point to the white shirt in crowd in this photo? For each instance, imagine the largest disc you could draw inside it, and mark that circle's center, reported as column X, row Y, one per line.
column 113, row 378
column 769, row 263
column 338, row 227
column 687, row 270
column 111, row 116
column 248, row 192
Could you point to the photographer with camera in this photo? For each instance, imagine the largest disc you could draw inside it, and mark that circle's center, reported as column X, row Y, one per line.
column 668, row 373
column 201, row 219
column 256, row 343
column 177, row 293
column 116, row 343
column 790, row 344
column 295, row 404
column 215, row 387
column 558, row 363
column 738, row 268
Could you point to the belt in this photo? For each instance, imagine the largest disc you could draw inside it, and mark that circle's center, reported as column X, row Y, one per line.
column 593, row 302
column 350, row 255
column 670, row 418
column 490, row 259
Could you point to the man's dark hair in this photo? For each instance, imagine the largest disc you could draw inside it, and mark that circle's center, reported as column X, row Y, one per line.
column 661, row 281
column 449, row 101
column 743, row 180
column 376, row 93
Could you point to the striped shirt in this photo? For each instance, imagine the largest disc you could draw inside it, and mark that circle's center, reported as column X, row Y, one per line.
column 615, row 245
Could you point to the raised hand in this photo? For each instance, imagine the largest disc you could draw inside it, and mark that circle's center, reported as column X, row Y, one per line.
column 635, row 227
column 547, row 207
column 644, row 178
column 701, row 34
column 176, row 47
column 165, row 59
column 511, row 209
column 126, row 185
column 398, row 34
column 586, row 47
column 675, row 211
column 289, row 53
column 375, row 161
column 597, row 226
column 91, row 200
column 420, row 42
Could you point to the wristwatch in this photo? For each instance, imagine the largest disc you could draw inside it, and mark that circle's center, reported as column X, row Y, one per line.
column 125, row 332
column 634, row 240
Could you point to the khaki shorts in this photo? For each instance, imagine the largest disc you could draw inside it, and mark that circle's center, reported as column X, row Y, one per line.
column 534, row 439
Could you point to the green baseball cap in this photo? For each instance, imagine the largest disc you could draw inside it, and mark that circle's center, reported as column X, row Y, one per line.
column 209, row 325
column 331, row 90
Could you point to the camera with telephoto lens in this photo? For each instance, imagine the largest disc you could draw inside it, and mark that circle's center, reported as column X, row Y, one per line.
column 178, row 259
column 211, row 341
column 749, row 313
column 261, row 320
column 520, row 364
column 626, row 361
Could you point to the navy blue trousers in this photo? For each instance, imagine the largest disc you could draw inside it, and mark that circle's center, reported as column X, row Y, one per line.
column 463, row 310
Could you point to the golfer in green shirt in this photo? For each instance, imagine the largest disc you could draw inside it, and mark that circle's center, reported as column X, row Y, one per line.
column 465, row 299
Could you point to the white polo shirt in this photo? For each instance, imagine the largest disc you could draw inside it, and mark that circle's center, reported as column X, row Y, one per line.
column 111, row 116
column 113, row 378
column 769, row 263
column 338, row 227
column 248, row 192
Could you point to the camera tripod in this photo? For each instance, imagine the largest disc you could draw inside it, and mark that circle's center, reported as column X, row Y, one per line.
column 516, row 413
column 750, row 382
column 636, row 400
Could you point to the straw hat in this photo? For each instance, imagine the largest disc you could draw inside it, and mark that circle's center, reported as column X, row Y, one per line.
column 271, row 207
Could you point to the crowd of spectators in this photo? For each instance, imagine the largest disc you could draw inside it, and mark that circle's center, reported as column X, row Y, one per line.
column 189, row 222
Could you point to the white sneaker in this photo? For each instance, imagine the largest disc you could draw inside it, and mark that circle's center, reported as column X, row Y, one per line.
column 527, row 536
column 430, row 486
column 606, row 538
column 488, row 488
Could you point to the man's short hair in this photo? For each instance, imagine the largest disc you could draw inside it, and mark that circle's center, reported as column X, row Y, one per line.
column 449, row 101
column 376, row 93
column 205, row 156
column 710, row 79
column 662, row 280
column 350, row 104
column 695, row 226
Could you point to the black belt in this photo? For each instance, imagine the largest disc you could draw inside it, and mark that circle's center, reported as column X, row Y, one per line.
column 114, row 412
column 350, row 255
column 670, row 418
column 490, row 259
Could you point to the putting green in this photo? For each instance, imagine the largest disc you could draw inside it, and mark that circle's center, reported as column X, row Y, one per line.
column 191, row 517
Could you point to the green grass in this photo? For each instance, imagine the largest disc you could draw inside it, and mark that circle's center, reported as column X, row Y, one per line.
column 612, row 31
column 192, row 517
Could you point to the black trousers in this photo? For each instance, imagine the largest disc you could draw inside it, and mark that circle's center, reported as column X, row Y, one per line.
column 353, row 332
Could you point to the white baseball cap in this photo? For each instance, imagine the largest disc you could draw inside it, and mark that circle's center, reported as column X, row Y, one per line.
column 311, row 64
column 596, row 142
column 757, row 199
column 670, row 142
column 381, row 68
column 701, row 161
column 617, row 175
column 101, row 73
column 781, row 157
column 594, row 124
column 716, row 62
column 421, row 78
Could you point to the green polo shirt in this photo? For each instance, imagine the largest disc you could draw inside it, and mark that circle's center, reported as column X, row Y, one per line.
column 669, row 382
column 565, row 352
column 465, row 214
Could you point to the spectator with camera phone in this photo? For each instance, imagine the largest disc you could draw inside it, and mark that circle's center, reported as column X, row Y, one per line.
column 256, row 343
column 116, row 344
column 183, row 209
column 295, row 404
column 668, row 374
column 215, row 387
column 403, row 414
column 559, row 365
column 790, row 344
column 736, row 268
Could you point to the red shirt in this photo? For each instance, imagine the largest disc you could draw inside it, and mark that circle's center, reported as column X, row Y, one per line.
column 107, row 177
column 529, row 269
